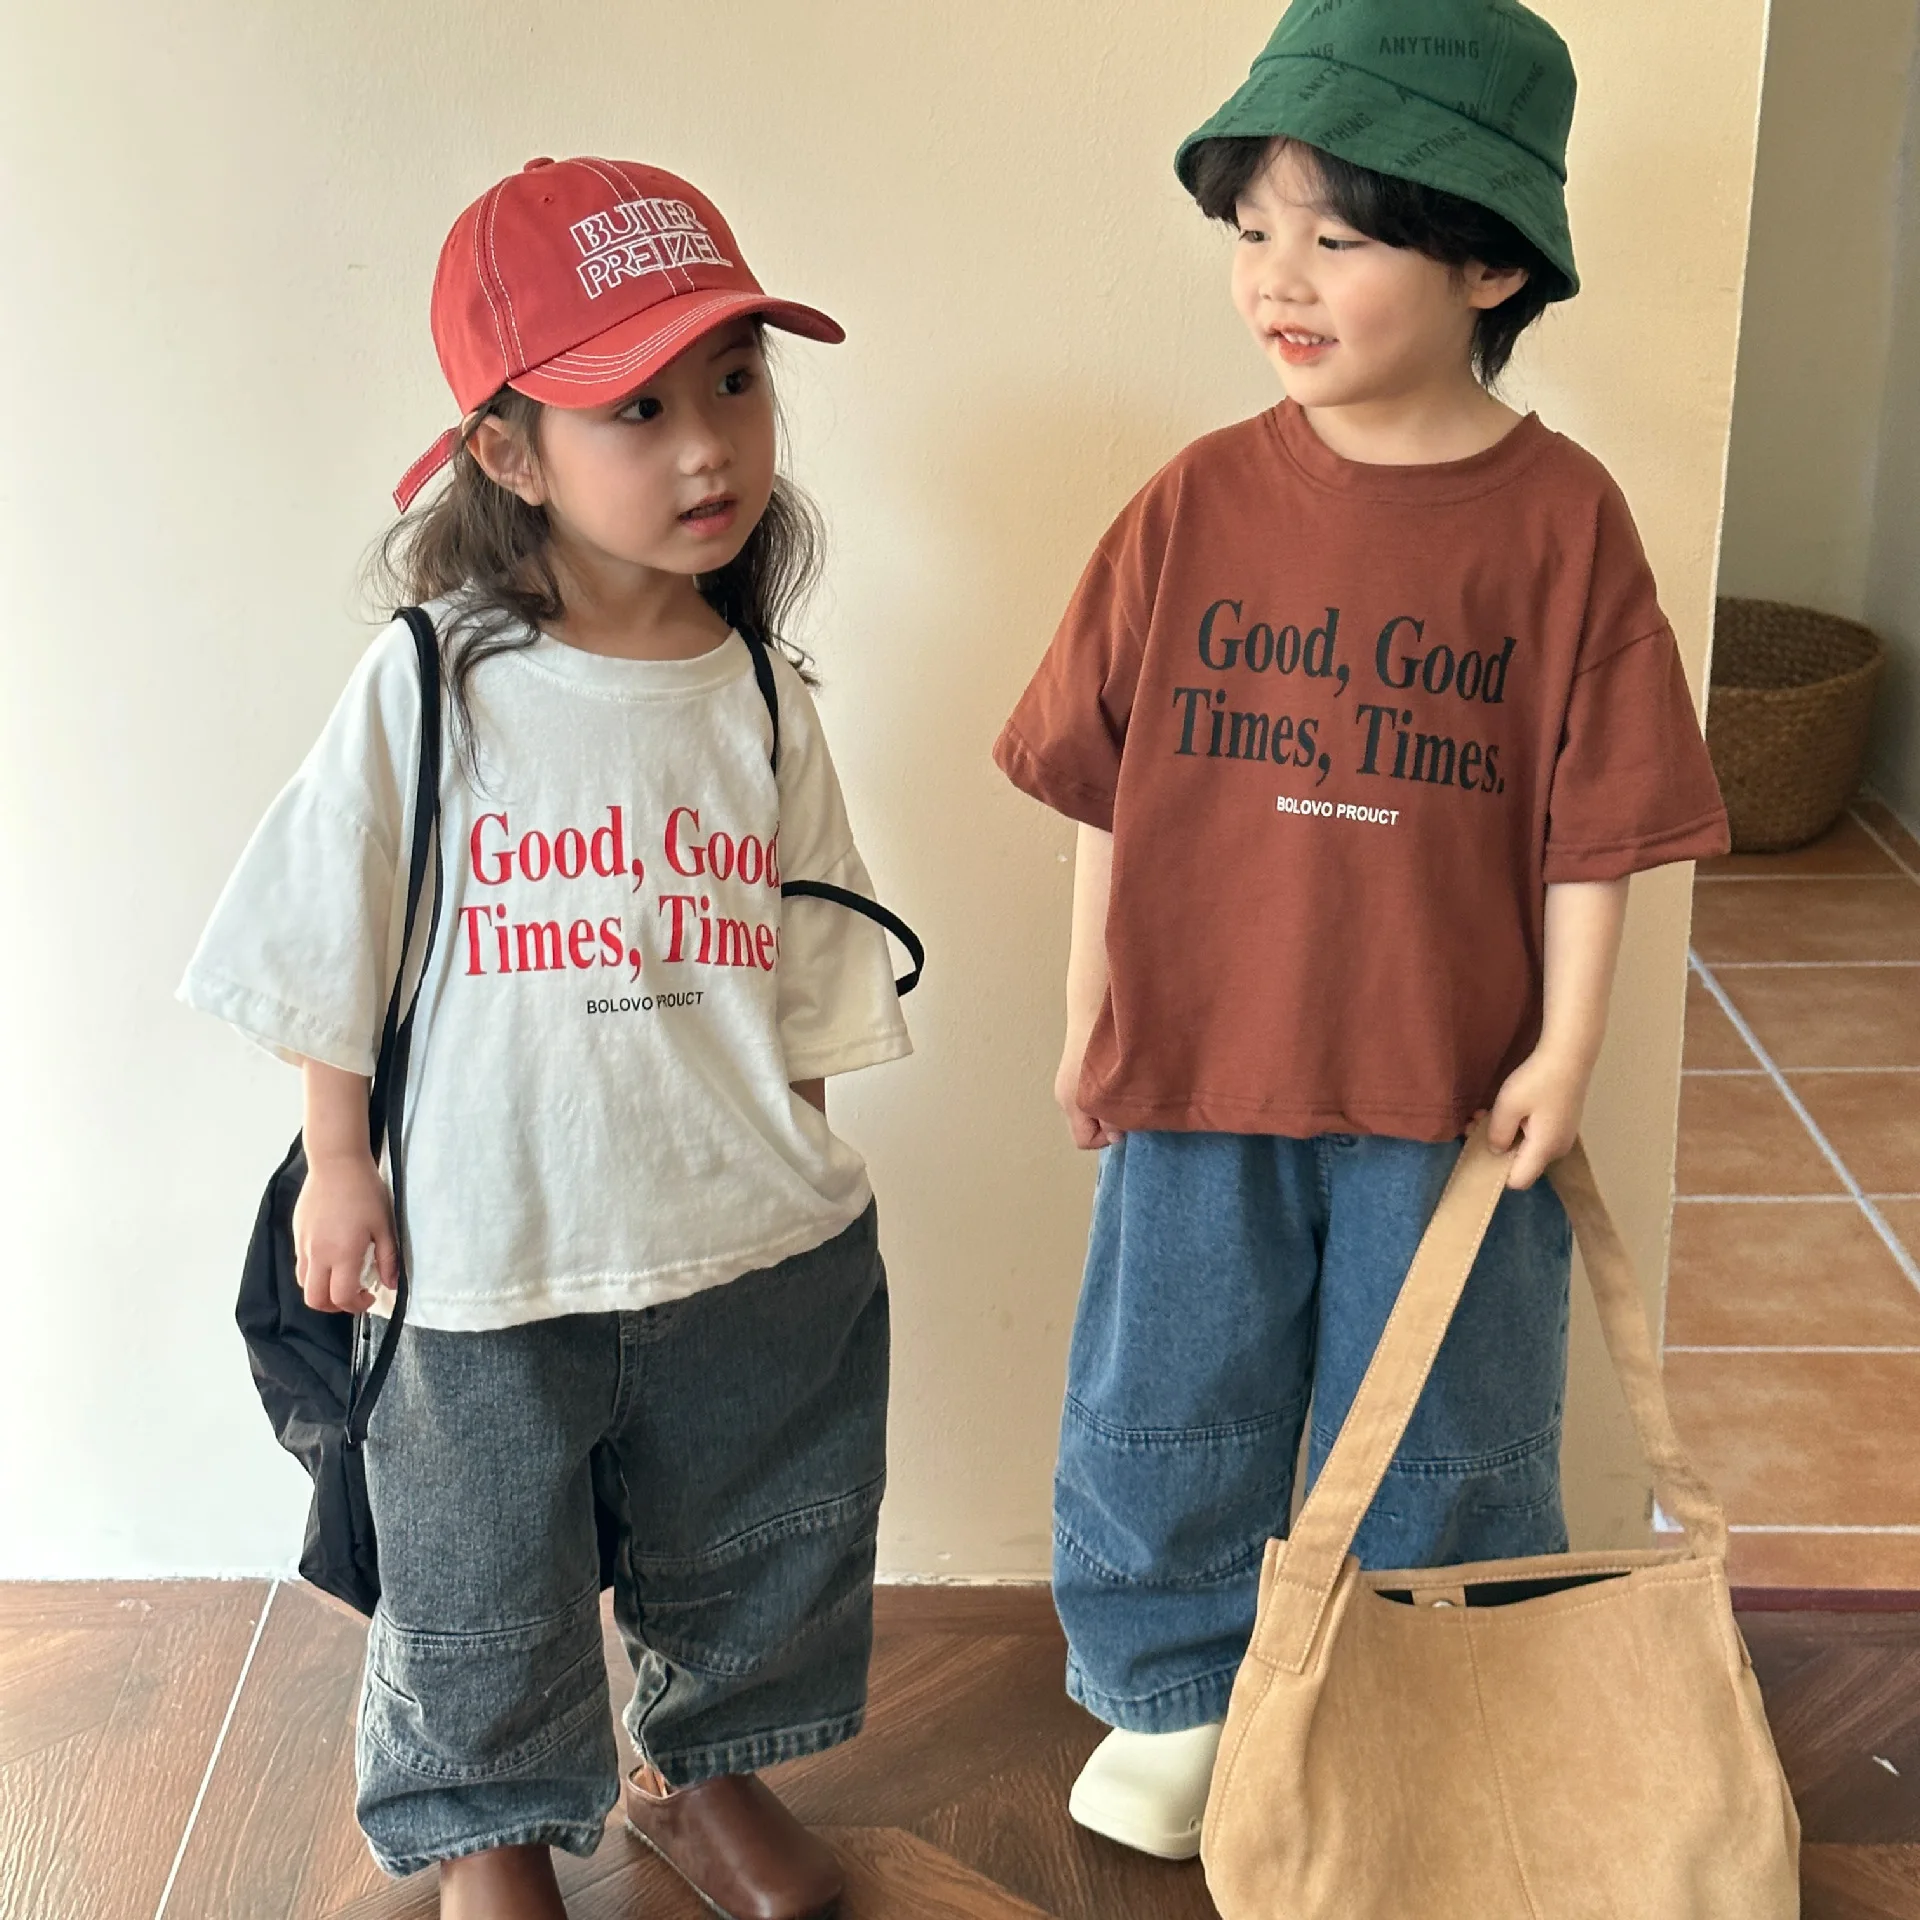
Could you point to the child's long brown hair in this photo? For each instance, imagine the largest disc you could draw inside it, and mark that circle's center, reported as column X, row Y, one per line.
column 482, row 546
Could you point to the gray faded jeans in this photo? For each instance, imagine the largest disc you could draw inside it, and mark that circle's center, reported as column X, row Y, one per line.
column 738, row 1435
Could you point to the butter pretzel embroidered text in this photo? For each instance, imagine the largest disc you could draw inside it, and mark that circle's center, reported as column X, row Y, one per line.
column 639, row 237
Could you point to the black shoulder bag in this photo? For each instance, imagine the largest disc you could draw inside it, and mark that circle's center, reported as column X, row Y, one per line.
column 306, row 1364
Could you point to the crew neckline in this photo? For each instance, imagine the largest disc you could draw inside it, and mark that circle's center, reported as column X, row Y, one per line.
column 1429, row 483
column 614, row 674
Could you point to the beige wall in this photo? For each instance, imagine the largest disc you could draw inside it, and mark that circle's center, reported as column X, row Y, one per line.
column 1893, row 563
column 1819, row 312
column 219, row 222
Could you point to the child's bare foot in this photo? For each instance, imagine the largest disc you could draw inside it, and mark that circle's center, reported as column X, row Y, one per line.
column 505, row 1883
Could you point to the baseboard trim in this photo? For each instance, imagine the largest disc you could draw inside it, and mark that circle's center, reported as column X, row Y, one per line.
column 1026, row 1606
column 1825, row 1600
column 1023, row 1607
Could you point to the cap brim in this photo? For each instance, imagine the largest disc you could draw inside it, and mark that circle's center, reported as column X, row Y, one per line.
column 630, row 353
column 1358, row 117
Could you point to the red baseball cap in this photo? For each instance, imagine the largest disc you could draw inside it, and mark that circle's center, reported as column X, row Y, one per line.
column 576, row 281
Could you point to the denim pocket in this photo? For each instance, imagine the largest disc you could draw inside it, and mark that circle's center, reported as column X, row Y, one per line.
column 749, row 1599
column 465, row 1707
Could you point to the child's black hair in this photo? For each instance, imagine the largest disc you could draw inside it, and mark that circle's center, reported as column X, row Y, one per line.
column 1401, row 213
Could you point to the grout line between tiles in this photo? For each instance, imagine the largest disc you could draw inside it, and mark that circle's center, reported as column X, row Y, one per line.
column 1768, row 1199
column 213, row 1759
column 1882, row 1069
column 1727, row 966
column 1779, row 1199
column 1749, row 1073
column 1751, row 1527
column 1894, row 1245
column 1853, row 1350
column 1867, row 794
column 1880, row 840
column 1773, row 879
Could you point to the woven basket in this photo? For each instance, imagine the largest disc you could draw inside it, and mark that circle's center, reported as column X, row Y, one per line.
column 1787, row 721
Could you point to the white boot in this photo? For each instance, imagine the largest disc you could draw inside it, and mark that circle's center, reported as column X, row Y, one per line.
column 1148, row 1790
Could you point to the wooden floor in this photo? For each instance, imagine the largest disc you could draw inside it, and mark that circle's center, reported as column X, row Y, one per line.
column 186, row 1750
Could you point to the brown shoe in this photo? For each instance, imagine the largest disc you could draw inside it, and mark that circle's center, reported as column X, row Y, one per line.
column 735, row 1845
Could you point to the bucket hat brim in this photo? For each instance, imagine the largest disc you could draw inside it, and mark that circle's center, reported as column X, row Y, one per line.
column 1358, row 117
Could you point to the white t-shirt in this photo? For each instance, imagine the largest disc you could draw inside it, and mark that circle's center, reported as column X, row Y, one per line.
column 598, row 1113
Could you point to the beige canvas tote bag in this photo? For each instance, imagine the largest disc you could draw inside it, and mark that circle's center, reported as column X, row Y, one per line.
column 1573, row 1737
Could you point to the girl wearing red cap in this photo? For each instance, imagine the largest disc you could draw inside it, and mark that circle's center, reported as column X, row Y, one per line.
column 646, row 1322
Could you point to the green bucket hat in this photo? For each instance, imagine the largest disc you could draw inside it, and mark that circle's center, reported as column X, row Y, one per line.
column 1473, row 97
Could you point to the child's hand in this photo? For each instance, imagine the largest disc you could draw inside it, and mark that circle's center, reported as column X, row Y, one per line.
column 1540, row 1107
column 1541, row 1101
column 343, row 1213
column 1086, row 1130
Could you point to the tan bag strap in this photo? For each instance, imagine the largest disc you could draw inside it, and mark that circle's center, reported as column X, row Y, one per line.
column 1683, row 1495
column 1323, row 1534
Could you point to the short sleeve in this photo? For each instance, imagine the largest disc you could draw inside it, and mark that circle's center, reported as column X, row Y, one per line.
column 1064, row 740
column 297, row 952
column 1632, row 784
column 838, row 1007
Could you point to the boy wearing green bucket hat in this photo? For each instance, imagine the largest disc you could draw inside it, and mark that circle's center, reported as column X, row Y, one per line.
column 1367, row 710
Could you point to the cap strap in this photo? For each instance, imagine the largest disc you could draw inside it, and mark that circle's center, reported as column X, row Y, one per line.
column 423, row 469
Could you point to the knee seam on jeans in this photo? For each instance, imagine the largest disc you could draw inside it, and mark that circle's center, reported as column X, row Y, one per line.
column 654, row 1625
column 1460, row 1466
column 1168, row 1437
column 544, row 1627
column 821, row 1516
column 1548, row 1497
column 1223, row 1570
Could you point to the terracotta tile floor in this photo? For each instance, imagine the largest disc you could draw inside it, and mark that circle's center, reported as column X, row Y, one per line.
column 1793, row 1309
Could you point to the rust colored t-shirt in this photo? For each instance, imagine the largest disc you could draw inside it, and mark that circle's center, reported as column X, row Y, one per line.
column 1346, row 724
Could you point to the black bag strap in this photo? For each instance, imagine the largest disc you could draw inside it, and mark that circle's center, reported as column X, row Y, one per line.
column 758, row 653
column 884, row 916
column 762, row 659
column 386, row 1107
